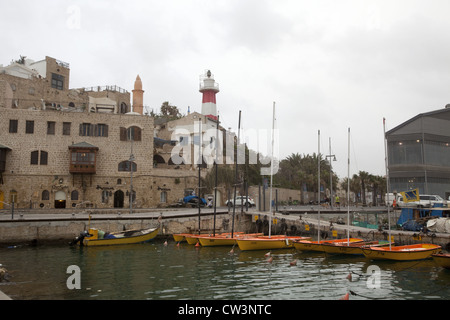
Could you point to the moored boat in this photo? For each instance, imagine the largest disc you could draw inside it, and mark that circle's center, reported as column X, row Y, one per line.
column 308, row 245
column 402, row 253
column 95, row 237
column 268, row 242
column 224, row 240
column 352, row 248
column 442, row 259
column 194, row 238
column 180, row 237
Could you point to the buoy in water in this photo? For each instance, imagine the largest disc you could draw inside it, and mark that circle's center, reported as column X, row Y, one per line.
column 165, row 243
column 197, row 244
column 293, row 263
column 270, row 260
column 267, row 254
column 349, row 277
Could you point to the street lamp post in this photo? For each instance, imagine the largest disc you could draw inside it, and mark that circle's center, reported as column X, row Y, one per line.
column 131, row 160
column 331, row 174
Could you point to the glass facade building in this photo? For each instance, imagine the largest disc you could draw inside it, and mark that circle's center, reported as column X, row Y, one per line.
column 419, row 154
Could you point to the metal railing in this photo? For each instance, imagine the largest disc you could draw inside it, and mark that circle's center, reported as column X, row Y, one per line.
column 105, row 88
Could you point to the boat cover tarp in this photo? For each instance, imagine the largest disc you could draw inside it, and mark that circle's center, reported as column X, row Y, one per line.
column 441, row 225
column 189, row 198
column 408, row 214
column 412, row 225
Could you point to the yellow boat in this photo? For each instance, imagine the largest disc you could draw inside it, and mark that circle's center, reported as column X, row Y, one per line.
column 402, row 253
column 97, row 237
column 194, row 238
column 442, row 259
column 307, row 245
column 268, row 243
column 352, row 248
column 224, row 240
column 179, row 237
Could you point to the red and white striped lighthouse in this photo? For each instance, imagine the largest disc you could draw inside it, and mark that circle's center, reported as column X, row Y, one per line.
column 209, row 88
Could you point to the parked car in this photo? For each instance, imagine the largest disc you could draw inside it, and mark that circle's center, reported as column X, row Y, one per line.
column 425, row 201
column 241, row 200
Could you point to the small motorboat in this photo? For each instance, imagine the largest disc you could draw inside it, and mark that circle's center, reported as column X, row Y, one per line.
column 268, row 242
column 442, row 259
column 402, row 253
column 308, row 245
column 96, row 237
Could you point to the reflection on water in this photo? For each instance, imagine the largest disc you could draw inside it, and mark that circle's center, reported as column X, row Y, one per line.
column 155, row 271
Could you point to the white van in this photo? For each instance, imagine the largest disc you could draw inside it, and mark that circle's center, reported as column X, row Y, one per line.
column 425, row 201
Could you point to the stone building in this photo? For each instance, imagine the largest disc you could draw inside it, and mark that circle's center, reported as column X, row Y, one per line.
column 63, row 148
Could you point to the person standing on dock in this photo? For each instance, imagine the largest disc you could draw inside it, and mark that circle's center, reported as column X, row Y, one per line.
column 338, row 202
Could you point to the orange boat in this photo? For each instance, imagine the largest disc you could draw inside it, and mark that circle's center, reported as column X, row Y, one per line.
column 442, row 259
column 307, row 245
column 402, row 253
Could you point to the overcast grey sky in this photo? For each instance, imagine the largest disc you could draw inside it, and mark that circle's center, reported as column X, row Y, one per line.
column 328, row 64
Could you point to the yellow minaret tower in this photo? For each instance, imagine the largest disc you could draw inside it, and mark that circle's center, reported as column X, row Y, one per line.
column 138, row 96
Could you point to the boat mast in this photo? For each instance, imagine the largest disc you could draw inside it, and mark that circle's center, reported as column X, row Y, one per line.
column 318, row 187
column 348, row 190
column 200, row 161
column 236, row 176
column 271, row 171
column 215, row 187
column 387, row 178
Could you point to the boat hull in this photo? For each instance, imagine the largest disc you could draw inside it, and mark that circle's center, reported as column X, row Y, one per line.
column 191, row 239
column 442, row 259
column 305, row 245
column 267, row 243
column 223, row 240
column 216, row 241
column 402, row 253
column 146, row 235
column 194, row 238
column 352, row 249
column 180, row 237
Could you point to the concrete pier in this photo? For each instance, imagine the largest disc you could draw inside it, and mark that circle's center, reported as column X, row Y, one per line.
column 63, row 226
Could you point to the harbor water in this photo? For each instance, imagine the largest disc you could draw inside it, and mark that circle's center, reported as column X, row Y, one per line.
column 160, row 271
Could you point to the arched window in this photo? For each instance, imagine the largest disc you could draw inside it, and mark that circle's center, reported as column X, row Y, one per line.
column 130, row 134
column 35, row 159
column 45, row 195
column 123, row 108
column 74, row 195
column 127, row 166
column 105, row 196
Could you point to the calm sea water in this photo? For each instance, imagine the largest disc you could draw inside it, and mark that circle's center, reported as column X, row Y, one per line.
column 159, row 272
